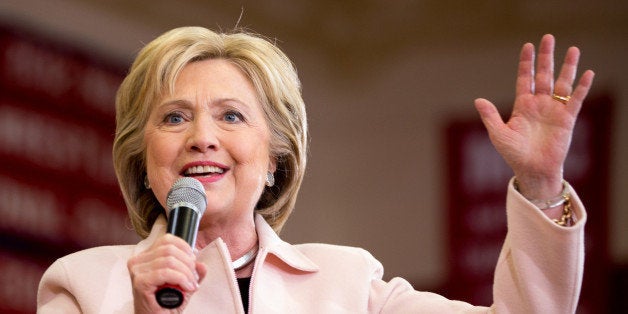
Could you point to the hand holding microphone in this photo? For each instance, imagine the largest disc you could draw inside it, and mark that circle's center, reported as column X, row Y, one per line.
column 170, row 264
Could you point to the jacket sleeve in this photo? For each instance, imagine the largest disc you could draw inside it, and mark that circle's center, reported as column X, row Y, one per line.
column 541, row 264
column 539, row 269
column 54, row 292
column 95, row 280
column 398, row 296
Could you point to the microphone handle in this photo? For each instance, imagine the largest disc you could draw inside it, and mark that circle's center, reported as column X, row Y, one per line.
column 183, row 222
column 169, row 296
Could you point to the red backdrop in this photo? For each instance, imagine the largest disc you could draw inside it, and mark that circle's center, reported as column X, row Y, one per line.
column 58, row 191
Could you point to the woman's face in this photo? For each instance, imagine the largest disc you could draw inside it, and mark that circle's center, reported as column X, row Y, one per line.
column 211, row 128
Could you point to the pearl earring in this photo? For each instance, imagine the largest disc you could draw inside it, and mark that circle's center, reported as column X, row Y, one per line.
column 146, row 183
column 270, row 179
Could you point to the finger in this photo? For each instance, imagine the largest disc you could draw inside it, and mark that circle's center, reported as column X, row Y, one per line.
column 164, row 248
column 525, row 73
column 170, row 251
column 581, row 91
column 165, row 270
column 165, row 276
column 169, row 270
column 544, row 78
column 489, row 115
column 167, row 253
column 564, row 83
column 176, row 241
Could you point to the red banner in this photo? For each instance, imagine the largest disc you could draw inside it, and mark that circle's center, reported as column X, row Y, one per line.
column 58, row 191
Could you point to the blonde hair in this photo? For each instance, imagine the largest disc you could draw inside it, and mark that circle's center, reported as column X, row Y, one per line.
column 154, row 73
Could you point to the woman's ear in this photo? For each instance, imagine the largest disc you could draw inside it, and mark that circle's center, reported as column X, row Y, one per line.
column 272, row 164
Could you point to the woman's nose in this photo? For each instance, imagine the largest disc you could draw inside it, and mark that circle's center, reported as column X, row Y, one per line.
column 203, row 136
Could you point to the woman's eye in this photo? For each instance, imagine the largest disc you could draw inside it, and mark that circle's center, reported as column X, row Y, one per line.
column 233, row 117
column 174, row 118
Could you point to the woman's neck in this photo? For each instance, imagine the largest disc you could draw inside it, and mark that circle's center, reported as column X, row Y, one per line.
column 238, row 234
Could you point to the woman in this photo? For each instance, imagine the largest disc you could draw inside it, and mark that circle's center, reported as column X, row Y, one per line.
column 227, row 110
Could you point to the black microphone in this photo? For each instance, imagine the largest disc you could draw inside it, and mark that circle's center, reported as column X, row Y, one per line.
column 186, row 201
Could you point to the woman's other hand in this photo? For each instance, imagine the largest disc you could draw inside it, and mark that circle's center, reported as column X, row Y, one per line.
column 170, row 260
column 535, row 140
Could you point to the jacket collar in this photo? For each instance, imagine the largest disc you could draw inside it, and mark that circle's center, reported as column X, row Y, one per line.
column 269, row 243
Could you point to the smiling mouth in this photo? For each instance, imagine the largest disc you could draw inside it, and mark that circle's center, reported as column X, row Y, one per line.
column 198, row 171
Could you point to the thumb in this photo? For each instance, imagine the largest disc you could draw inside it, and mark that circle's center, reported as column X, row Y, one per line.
column 489, row 115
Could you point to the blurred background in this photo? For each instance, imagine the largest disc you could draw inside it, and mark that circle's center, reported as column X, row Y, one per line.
column 399, row 162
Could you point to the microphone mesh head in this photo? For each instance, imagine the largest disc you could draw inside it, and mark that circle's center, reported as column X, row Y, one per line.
column 188, row 190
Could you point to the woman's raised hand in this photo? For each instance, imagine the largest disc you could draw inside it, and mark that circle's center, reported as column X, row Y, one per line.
column 535, row 140
column 170, row 260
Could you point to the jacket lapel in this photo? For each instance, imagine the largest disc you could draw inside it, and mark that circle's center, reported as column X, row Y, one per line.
column 270, row 243
column 218, row 292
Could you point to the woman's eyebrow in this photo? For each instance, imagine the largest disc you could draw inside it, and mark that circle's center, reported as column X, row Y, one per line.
column 175, row 102
column 216, row 101
column 230, row 99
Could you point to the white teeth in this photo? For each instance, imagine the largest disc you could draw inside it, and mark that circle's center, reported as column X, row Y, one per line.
column 204, row 169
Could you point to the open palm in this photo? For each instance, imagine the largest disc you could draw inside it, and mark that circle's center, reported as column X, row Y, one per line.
column 536, row 138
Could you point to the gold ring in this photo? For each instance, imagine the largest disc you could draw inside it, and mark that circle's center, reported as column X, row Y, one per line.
column 562, row 99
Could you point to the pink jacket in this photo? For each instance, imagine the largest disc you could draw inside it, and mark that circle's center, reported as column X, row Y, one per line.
column 539, row 271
